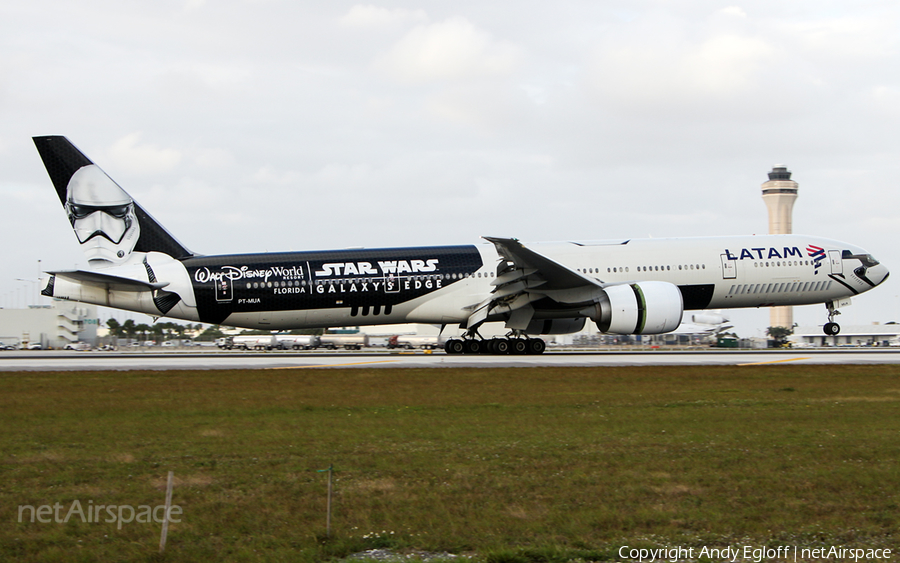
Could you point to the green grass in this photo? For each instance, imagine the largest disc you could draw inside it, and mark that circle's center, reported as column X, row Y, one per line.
column 543, row 464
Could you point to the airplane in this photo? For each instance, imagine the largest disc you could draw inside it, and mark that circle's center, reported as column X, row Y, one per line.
column 704, row 323
column 625, row 286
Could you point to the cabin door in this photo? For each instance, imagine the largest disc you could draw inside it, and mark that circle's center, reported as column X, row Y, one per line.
column 729, row 268
column 837, row 264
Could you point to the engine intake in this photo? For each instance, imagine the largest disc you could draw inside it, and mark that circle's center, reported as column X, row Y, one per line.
column 648, row 307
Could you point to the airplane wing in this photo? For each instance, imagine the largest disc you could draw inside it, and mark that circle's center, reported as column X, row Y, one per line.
column 553, row 273
column 529, row 277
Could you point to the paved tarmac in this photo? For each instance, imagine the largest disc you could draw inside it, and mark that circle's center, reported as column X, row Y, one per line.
column 51, row 360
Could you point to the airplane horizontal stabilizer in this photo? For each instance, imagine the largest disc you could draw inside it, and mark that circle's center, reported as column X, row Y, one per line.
column 117, row 283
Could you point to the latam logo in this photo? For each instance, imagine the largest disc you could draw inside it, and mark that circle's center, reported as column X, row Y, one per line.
column 817, row 254
column 765, row 253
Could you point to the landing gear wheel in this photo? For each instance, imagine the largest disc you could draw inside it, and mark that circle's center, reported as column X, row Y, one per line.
column 536, row 346
column 499, row 346
column 473, row 346
column 831, row 328
column 518, row 346
column 454, row 346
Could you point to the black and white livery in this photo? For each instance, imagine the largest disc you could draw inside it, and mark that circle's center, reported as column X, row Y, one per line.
column 624, row 286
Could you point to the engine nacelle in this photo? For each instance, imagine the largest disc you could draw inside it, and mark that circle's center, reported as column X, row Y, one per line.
column 648, row 307
column 555, row 326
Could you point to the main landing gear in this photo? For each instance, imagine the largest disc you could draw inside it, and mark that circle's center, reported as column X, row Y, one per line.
column 519, row 345
column 831, row 328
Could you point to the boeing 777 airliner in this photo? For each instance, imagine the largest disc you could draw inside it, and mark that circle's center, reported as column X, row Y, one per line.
column 624, row 286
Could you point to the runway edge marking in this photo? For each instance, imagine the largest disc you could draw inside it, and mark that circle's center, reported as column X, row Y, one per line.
column 774, row 362
column 336, row 365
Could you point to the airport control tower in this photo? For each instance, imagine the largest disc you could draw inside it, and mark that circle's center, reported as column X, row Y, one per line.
column 779, row 193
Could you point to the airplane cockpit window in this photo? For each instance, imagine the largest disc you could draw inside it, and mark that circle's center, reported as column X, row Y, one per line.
column 867, row 259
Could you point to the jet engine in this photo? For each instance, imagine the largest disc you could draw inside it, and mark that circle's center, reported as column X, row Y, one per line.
column 648, row 307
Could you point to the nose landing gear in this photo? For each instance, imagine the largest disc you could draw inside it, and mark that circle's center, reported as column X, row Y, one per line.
column 831, row 328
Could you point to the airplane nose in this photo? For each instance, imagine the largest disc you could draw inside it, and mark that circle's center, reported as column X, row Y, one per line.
column 872, row 273
column 877, row 274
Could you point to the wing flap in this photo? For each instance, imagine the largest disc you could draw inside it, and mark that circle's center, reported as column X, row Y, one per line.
column 512, row 276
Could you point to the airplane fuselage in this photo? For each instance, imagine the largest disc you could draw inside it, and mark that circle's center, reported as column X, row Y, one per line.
column 440, row 285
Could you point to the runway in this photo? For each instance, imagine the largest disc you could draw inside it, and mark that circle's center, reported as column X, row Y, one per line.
column 50, row 360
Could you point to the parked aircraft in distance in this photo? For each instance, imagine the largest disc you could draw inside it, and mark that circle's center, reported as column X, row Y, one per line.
column 705, row 323
column 625, row 286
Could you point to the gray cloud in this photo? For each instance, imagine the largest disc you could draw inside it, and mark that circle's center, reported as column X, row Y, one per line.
column 292, row 125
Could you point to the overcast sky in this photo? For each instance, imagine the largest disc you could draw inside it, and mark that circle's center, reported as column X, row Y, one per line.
column 267, row 125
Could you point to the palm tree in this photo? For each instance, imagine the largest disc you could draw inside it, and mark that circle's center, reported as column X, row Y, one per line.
column 130, row 328
column 779, row 334
column 142, row 329
column 115, row 329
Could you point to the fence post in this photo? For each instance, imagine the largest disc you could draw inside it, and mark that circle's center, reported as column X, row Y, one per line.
column 330, row 471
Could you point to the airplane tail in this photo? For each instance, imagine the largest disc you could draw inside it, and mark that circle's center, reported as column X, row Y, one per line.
column 109, row 224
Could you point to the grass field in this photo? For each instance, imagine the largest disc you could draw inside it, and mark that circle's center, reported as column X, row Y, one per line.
column 520, row 464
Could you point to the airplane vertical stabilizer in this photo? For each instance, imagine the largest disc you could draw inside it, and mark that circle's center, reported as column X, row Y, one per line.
column 109, row 224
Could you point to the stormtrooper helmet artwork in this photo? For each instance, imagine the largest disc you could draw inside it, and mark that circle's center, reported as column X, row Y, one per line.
column 102, row 215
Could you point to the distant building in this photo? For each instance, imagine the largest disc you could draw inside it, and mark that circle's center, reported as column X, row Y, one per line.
column 779, row 194
column 51, row 326
column 851, row 335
